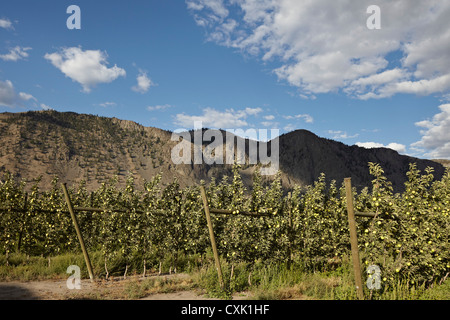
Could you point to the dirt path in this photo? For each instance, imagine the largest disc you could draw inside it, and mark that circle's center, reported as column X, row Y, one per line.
column 109, row 290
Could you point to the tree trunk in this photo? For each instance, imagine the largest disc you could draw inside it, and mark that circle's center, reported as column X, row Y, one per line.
column 143, row 275
column 232, row 272
column 106, row 270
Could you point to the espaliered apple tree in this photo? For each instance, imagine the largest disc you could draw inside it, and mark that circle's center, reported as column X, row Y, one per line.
column 274, row 230
column 11, row 196
column 59, row 231
column 409, row 237
column 111, row 227
column 196, row 240
column 145, row 234
column 321, row 225
column 172, row 223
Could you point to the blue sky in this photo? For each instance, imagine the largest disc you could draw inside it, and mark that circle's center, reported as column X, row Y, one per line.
column 233, row 64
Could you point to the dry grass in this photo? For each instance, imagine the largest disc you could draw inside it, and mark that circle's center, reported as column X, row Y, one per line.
column 141, row 288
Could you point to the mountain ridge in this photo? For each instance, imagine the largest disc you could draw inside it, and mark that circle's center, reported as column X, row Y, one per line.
column 77, row 147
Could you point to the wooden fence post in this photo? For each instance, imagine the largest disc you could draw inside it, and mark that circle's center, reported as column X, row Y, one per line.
column 211, row 235
column 80, row 237
column 353, row 238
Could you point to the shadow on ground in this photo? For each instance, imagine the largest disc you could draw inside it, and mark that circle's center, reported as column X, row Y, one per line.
column 16, row 292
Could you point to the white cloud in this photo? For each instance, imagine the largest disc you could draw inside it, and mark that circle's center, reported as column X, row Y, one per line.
column 400, row 148
column 435, row 134
column 324, row 46
column 85, row 67
column 211, row 118
column 370, row 130
column 107, row 104
column 306, row 117
column 364, row 88
column 380, row 78
column 289, row 127
column 5, row 24
column 252, row 111
column 445, row 98
column 214, row 11
column 16, row 53
column 338, row 134
column 26, row 96
column 143, row 83
column 159, row 107
column 271, row 124
column 439, row 84
column 369, row 145
column 9, row 97
column 269, row 117
column 45, row 107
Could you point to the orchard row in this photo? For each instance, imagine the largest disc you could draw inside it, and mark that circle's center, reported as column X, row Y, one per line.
column 408, row 238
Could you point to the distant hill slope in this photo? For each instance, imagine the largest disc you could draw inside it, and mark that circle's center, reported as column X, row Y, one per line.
column 444, row 162
column 79, row 146
column 306, row 155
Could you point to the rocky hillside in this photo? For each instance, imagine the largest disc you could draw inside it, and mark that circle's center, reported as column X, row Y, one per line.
column 77, row 147
column 306, row 155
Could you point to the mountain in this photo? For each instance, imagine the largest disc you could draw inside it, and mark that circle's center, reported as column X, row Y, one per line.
column 77, row 147
column 306, row 155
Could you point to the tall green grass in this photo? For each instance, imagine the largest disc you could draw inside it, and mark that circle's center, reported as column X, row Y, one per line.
column 18, row 266
column 290, row 281
column 25, row 268
column 263, row 281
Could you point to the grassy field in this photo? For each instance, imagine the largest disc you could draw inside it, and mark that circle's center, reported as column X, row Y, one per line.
column 260, row 281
